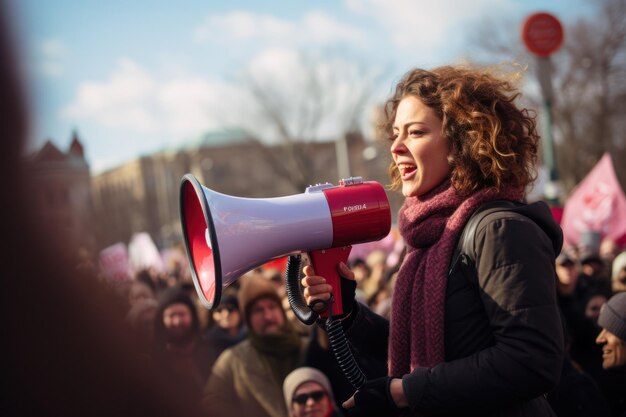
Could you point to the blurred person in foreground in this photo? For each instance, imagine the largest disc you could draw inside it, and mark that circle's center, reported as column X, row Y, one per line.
column 308, row 393
column 484, row 338
column 247, row 378
column 612, row 338
column 67, row 349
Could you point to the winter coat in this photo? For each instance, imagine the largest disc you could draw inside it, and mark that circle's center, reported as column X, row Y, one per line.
column 503, row 334
column 219, row 340
column 241, row 384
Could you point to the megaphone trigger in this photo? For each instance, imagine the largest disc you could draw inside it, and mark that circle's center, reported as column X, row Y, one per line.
column 325, row 263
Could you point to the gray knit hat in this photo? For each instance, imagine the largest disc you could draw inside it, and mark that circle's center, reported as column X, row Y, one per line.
column 301, row 375
column 613, row 315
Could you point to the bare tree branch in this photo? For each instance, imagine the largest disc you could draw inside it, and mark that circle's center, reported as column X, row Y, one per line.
column 328, row 94
column 589, row 81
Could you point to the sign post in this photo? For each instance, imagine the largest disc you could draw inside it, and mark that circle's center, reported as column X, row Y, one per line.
column 542, row 34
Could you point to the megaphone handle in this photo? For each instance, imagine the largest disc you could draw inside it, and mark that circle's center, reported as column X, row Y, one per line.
column 294, row 292
column 325, row 262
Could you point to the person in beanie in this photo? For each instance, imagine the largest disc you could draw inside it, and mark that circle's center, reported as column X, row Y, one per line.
column 247, row 378
column 308, row 393
column 612, row 337
column 180, row 354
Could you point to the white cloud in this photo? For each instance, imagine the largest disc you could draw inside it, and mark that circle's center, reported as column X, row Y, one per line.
column 426, row 25
column 279, row 63
column 155, row 109
column 191, row 106
column 125, row 100
column 52, row 57
column 313, row 28
column 135, row 100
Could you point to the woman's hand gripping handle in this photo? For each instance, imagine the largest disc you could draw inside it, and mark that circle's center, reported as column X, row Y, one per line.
column 316, row 287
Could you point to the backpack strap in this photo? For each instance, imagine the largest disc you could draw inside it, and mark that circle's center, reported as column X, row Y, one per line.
column 466, row 240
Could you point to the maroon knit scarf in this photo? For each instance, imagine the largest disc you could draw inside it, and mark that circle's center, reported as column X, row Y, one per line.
column 430, row 225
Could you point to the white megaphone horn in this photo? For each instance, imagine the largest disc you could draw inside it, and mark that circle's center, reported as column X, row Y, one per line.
column 227, row 236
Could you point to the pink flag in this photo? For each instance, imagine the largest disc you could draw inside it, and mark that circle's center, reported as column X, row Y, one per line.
column 597, row 204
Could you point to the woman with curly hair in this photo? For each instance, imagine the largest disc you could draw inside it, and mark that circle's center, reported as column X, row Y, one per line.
column 481, row 335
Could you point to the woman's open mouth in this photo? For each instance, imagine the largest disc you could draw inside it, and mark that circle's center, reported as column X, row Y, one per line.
column 407, row 171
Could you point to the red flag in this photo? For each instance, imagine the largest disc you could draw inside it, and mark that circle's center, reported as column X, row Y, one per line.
column 597, row 204
column 280, row 264
column 557, row 213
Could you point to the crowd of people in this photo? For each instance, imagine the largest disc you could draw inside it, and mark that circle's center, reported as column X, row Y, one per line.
column 590, row 280
column 251, row 356
column 234, row 358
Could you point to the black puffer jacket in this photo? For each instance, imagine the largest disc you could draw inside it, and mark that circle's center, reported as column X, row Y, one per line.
column 503, row 335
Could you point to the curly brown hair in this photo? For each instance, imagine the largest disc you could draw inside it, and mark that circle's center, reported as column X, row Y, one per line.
column 492, row 142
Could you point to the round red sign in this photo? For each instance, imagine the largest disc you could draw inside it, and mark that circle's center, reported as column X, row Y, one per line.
column 542, row 34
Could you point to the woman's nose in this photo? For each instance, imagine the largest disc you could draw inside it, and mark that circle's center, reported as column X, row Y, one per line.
column 600, row 339
column 398, row 146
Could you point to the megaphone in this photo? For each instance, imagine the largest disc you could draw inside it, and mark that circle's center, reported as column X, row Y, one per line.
column 226, row 236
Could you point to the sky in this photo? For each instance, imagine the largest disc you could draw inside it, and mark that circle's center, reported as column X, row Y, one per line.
column 133, row 77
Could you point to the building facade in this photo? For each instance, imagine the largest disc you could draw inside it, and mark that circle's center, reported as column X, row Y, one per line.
column 61, row 184
column 143, row 195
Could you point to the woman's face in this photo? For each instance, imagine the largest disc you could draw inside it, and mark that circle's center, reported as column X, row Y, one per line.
column 310, row 400
column 419, row 149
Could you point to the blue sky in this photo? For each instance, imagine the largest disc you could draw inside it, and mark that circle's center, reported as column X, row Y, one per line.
column 135, row 76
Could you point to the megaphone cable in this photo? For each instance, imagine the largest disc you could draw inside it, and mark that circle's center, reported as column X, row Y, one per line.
column 336, row 336
column 341, row 349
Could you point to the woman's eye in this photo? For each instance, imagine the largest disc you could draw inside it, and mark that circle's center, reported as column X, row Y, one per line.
column 393, row 137
column 416, row 132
